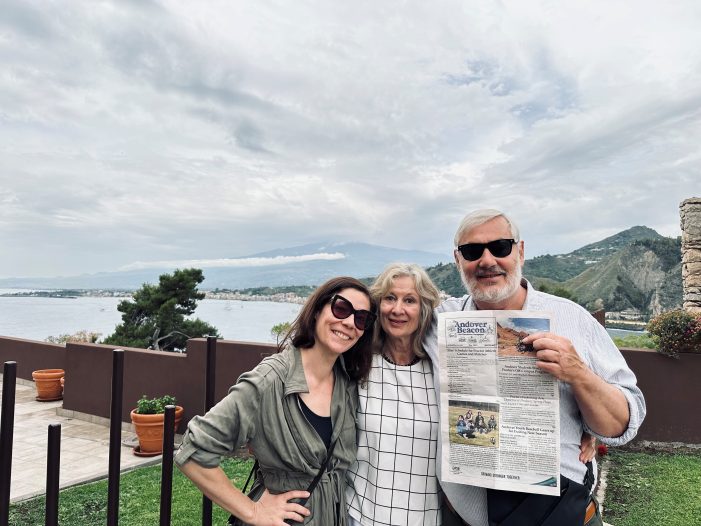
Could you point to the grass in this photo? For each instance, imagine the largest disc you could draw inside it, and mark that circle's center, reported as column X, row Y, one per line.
column 642, row 488
column 480, row 439
column 635, row 341
column 653, row 488
column 139, row 500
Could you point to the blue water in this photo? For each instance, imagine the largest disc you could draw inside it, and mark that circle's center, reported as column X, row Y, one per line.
column 622, row 333
column 38, row 318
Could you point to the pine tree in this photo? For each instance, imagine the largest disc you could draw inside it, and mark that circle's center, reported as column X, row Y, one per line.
column 155, row 317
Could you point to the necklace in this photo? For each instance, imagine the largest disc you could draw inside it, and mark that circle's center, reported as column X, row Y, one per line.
column 414, row 360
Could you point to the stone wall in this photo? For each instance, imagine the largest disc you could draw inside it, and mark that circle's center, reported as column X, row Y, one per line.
column 690, row 213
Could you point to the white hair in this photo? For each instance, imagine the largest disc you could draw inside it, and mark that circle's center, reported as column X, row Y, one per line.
column 480, row 217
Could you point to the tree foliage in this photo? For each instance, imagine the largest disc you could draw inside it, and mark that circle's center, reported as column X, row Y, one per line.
column 558, row 291
column 280, row 330
column 155, row 317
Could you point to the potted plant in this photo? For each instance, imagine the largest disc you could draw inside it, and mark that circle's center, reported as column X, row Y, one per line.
column 148, row 417
column 676, row 331
column 49, row 384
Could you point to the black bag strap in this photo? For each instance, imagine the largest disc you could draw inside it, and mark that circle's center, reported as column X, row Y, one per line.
column 250, row 476
column 588, row 481
column 315, row 482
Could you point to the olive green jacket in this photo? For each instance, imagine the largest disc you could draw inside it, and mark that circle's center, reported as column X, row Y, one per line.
column 262, row 409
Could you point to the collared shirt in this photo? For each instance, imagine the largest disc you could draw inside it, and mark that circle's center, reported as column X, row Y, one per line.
column 262, row 410
column 600, row 354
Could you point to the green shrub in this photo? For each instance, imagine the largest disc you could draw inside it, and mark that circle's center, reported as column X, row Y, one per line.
column 676, row 330
column 153, row 406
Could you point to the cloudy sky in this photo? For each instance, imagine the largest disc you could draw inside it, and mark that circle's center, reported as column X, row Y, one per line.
column 158, row 131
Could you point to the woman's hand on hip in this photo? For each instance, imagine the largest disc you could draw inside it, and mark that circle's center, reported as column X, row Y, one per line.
column 273, row 510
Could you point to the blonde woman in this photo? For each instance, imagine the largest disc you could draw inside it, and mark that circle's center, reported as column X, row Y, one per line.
column 393, row 481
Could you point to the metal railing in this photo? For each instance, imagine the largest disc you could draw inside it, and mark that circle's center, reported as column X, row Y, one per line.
column 54, row 446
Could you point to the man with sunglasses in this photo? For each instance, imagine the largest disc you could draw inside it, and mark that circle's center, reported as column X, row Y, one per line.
column 598, row 391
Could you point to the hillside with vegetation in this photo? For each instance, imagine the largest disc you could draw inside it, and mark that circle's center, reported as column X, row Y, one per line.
column 562, row 267
column 645, row 275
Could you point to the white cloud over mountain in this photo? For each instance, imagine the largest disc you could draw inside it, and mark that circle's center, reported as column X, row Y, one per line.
column 236, row 262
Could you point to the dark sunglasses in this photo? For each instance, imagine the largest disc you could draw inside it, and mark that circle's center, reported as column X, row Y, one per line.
column 341, row 308
column 499, row 248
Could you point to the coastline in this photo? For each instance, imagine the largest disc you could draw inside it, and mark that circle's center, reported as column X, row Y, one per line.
column 282, row 297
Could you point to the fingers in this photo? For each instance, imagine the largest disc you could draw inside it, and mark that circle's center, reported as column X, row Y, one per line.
column 536, row 336
column 294, row 494
column 587, row 449
column 548, row 355
column 275, row 509
column 586, row 456
column 295, row 516
column 295, row 512
column 557, row 356
column 547, row 340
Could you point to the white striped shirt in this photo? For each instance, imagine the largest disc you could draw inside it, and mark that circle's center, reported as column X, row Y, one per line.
column 601, row 355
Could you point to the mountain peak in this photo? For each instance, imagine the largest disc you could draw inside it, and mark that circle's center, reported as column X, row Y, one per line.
column 618, row 241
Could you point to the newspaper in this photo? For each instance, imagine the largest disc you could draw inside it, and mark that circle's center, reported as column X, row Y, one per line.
column 500, row 414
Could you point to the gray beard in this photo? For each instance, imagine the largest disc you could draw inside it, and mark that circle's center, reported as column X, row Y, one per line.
column 493, row 295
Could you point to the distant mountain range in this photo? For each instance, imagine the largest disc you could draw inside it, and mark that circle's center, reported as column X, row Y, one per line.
column 305, row 265
column 634, row 269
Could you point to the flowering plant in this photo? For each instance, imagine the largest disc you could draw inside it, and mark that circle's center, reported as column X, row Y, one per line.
column 676, row 330
column 602, row 450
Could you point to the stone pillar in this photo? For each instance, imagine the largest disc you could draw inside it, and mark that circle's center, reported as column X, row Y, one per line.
column 690, row 213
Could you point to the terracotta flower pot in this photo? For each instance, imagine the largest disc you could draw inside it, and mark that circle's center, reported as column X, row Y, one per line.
column 49, row 384
column 149, row 430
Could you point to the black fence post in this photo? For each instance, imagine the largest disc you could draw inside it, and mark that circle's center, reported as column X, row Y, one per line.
column 167, row 464
column 208, row 403
column 115, row 437
column 53, row 462
column 7, row 428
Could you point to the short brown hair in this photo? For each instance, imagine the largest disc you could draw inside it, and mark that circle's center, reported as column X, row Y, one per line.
column 302, row 334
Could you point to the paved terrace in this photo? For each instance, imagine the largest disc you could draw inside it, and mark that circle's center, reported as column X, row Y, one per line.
column 84, row 445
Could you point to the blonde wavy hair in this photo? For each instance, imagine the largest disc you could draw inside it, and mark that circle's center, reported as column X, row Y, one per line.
column 428, row 299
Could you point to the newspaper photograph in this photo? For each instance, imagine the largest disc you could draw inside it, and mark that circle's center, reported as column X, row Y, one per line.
column 500, row 414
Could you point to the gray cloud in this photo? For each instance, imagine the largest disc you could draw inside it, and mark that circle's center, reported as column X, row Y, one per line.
column 149, row 131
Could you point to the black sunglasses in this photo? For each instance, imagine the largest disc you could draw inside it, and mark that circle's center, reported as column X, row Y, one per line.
column 499, row 248
column 341, row 308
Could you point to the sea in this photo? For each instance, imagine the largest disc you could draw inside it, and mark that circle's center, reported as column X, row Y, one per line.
column 36, row 318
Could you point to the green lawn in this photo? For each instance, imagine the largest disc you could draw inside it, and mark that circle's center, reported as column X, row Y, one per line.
column 653, row 488
column 139, row 499
column 643, row 489
column 635, row 341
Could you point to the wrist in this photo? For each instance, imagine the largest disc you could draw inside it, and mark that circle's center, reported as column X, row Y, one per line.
column 584, row 380
column 251, row 512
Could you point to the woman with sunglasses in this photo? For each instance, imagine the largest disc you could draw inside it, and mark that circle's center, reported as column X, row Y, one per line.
column 394, row 479
column 296, row 410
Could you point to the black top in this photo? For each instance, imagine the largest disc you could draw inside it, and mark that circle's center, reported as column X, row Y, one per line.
column 322, row 424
